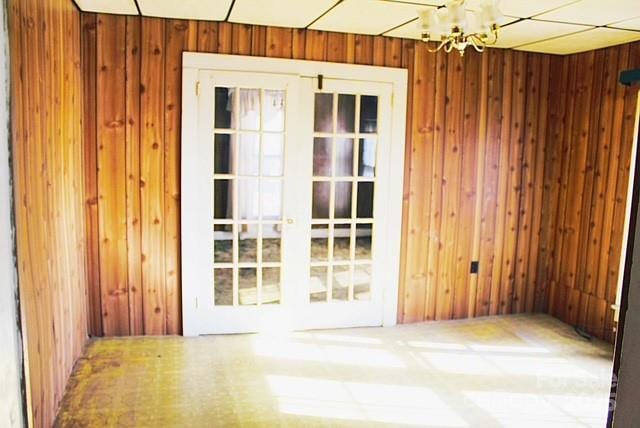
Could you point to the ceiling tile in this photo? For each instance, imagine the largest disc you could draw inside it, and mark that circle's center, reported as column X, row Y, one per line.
column 214, row 10
column 529, row 31
column 629, row 24
column 587, row 40
column 411, row 30
column 282, row 13
column 421, row 2
column 367, row 16
column 524, row 8
column 594, row 12
column 120, row 7
column 529, row 8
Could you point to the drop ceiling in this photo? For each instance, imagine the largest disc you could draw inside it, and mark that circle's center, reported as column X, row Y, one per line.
column 549, row 26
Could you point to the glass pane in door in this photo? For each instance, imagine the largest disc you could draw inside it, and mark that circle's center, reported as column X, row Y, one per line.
column 248, row 195
column 223, row 243
column 223, row 279
column 343, row 183
column 270, row 285
column 271, row 243
column 368, row 114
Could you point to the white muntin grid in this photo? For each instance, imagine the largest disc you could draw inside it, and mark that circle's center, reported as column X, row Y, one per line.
column 328, row 266
column 233, row 180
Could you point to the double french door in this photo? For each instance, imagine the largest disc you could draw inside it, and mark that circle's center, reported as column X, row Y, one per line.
column 287, row 184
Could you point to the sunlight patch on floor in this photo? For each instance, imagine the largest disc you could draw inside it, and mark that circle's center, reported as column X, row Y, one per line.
column 362, row 401
column 275, row 347
column 512, row 409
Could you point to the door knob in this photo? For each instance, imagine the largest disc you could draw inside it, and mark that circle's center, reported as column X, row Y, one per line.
column 290, row 221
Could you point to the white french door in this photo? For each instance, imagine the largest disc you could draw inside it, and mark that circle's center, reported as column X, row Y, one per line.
column 290, row 198
column 344, row 215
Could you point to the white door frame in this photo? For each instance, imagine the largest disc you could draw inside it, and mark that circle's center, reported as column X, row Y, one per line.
column 192, row 200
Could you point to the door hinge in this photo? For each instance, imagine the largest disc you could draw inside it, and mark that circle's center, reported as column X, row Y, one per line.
column 198, row 88
column 196, row 303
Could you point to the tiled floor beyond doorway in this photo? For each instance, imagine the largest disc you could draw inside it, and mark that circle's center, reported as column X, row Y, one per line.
column 517, row 371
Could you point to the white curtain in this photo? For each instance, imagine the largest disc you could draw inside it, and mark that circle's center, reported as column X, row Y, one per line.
column 247, row 148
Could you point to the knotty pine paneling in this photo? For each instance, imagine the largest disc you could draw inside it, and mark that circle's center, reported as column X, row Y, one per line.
column 473, row 137
column 588, row 158
column 49, row 188
column 482, row 181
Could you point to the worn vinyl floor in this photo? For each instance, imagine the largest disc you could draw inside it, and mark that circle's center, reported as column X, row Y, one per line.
column 517, row 371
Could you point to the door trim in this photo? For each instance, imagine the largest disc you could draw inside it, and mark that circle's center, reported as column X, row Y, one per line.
column 193, row 63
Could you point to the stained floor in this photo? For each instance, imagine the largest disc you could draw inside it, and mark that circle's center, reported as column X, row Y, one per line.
column 516, row 371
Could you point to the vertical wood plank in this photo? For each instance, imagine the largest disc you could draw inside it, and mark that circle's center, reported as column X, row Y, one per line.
column 207, row 36
column 134, row 233
column 404, row 289
column 279, row 42
column 393, row 54
column 516, row 137
column 498, row 284
column 258, row 35
column 470, row 146
column 437, row 206
column 242, row 42
column 552, row 182
column 612, row 178
column 527, row 179
column 558, row 271
column 450, row 186
column 298, row 43
column 379, row 57
column 577, row 169
column 316, row 45
column 491, row 159
column 363, row 49
column 225, row 37
column 417, row 204
column 583, row 276
column 336, row 47
column 533, row 282
column 110, row 118
column 152, row 174
column 598, row 201
column 89, row 67
column 481, row 135
column 180, row 36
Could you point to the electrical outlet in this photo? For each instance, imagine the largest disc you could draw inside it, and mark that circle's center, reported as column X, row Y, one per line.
column 475, row 265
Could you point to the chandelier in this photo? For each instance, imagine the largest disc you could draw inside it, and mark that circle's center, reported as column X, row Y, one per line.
column 455, row 27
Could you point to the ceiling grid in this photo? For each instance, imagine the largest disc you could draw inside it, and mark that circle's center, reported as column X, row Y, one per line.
column 548, row 26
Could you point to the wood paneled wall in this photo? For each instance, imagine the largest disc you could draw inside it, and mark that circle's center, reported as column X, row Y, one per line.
column 504, row 155
column 474, row 166
column 46, row 116
column 474, row 182
column 589, row 140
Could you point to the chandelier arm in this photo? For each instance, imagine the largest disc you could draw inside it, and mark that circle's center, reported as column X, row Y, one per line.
column 495, row 38
column 448, row 47
column 442, row 43
column 474, row 42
